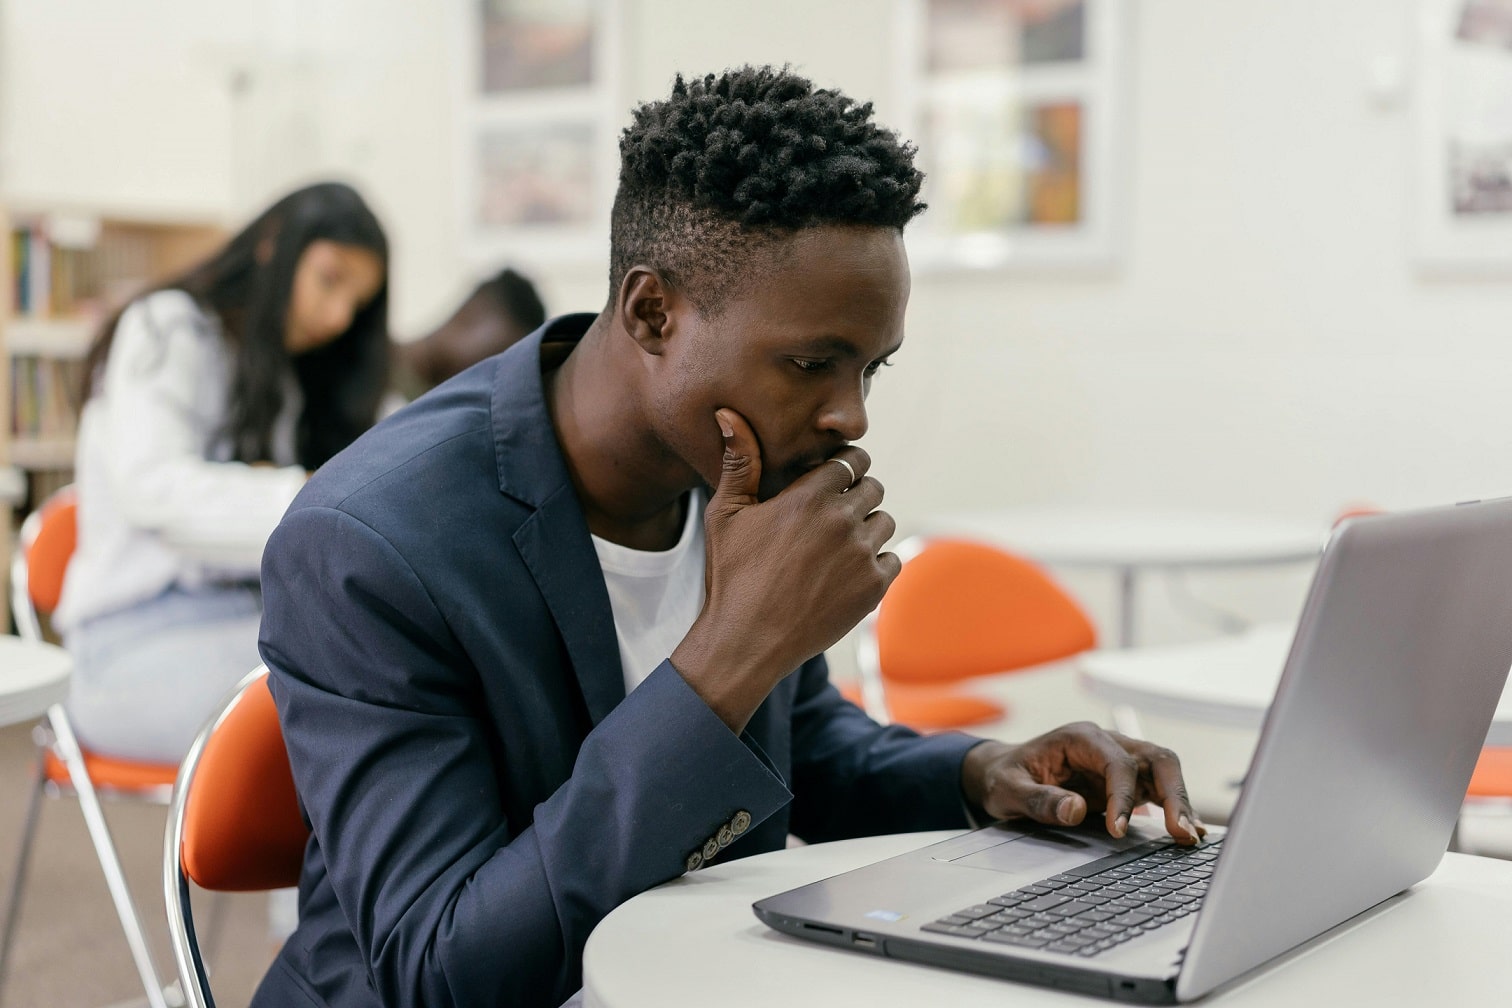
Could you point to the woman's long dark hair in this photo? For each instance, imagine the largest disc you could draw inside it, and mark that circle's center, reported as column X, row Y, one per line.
column 248, row 285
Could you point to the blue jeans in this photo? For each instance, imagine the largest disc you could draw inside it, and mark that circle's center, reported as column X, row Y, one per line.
column 147, row 678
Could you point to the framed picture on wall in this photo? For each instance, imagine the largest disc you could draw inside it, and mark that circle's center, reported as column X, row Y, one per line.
column 1463, row 188
column 1016, row 107
column 537, row 145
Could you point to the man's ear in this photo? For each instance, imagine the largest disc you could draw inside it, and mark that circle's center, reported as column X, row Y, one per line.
column 647, row 308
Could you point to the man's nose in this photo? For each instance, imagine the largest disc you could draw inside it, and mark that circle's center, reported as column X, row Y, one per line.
column 845, row 414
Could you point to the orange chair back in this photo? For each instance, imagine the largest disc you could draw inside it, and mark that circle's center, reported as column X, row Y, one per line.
column 242, row 828
column 962, row 608
column 1493, row 774
column 47, row 555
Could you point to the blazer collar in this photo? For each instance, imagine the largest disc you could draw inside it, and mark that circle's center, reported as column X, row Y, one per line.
column 526, row 452
column 554, row 542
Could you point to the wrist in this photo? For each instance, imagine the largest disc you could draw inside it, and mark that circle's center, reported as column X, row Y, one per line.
column 728, row 677
column 976, row 767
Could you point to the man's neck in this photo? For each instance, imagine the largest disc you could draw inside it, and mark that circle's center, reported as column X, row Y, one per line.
column 631, row 491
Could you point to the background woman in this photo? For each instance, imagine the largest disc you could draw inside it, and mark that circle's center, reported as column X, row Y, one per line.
column 210, row 400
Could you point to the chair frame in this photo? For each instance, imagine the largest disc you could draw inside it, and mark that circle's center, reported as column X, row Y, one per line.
column 193, row 977
column 55, row 733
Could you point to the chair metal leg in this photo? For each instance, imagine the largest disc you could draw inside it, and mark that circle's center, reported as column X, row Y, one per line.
column 18, row 881
column 115, row 879
column 215, row 925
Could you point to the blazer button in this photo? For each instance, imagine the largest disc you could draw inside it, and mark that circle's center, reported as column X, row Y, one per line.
column 710, row 848
column 741, row 822
column 695, row 861
column 725, row 835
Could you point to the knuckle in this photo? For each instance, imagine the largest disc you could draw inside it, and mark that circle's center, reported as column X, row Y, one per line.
column 1122, row 762
column 1160, row 754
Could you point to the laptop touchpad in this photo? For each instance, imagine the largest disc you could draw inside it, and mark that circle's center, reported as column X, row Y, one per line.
column 1044, row 853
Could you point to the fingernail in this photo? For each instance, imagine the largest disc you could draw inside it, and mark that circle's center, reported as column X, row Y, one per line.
column 1120, row 825
column 1185, row 823
column 1063, row 810
column 725, row 426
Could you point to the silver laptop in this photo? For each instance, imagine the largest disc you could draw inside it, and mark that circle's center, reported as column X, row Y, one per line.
column 1390, row 685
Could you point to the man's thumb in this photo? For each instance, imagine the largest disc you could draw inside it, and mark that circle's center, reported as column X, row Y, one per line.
column 740, row 472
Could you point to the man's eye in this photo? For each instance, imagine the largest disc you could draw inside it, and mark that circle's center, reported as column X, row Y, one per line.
column 875, row 366
column 811, row 366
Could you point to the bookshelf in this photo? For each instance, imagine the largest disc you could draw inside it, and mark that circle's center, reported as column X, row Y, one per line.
column 65, row 269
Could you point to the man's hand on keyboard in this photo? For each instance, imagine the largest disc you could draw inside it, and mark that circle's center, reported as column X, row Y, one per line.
column 1057, row 777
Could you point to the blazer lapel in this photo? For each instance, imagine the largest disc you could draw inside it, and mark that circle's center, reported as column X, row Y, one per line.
column 554, row 542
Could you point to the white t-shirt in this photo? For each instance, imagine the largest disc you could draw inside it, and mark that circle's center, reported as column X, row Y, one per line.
column 655, row 596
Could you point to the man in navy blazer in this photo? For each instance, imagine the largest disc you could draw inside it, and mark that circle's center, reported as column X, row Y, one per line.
column 553, row 634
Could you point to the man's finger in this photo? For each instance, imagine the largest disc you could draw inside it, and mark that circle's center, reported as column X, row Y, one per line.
column 1170, row 787
column 1021, row 794
column 740, row 471
column 1120, row 774
column 841, row 471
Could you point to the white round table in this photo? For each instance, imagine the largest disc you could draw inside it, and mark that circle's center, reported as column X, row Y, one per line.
column 33, row 677
column 1228, row 681
column 1130, row 542
column 695, row 941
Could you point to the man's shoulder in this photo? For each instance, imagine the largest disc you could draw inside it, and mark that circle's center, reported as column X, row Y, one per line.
column 432, row 449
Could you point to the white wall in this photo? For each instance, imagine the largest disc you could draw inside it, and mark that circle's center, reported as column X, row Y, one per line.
column 1264, row 342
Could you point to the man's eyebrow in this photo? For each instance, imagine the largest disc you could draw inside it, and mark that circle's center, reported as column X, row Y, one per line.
column 835, row 346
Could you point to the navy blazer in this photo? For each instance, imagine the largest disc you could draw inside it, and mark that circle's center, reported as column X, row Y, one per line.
column 480, row 789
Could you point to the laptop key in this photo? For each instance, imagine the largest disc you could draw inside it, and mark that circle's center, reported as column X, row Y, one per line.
column 958, row 930
column 979, row 910
column 1023, row 941
column 1012, row 899
column 1114, row 860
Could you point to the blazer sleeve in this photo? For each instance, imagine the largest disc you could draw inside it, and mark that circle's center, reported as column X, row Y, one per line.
column 451, row 903
column 853, row 777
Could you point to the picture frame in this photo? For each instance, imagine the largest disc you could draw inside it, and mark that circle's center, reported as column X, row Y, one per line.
column 1462, row 190
column 535, row 140
column 1018, row 110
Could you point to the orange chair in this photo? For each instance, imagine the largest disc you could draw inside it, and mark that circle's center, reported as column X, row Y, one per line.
column 234, row 824
column 47, row 541
column 960, row 609
column 1493, row 775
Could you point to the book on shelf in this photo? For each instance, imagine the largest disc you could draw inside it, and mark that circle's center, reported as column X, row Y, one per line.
column 45, row 397
column 58, row 274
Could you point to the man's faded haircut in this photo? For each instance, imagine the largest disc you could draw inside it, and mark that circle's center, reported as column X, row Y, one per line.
column 732, row 162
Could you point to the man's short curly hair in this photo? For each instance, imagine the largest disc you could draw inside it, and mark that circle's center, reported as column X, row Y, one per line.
column 732, row 161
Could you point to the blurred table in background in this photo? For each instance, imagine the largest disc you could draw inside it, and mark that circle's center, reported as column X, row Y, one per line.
column 33, row 677
column 1130, row 543
column 1229, row 681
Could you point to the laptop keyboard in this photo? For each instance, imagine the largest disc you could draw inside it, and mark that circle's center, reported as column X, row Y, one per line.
column 1094, row 907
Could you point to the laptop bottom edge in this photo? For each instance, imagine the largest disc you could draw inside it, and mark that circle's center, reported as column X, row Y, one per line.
column 1131, row 989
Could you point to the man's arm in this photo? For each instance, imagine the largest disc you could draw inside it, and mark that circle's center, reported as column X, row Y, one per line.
column 449, row 901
